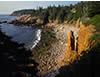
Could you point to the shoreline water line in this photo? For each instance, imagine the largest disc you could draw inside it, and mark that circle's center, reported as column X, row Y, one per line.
column 38, row 35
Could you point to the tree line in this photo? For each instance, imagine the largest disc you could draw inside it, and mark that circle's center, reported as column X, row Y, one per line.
column 80, row 10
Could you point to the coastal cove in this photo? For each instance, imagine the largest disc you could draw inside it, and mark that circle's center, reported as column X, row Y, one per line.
column 56, row 40
column 20, row 34
column 57, row 45
column 53, row 42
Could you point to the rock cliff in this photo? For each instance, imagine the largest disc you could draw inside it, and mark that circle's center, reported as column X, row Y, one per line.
column 76, row 46
column 85, row 33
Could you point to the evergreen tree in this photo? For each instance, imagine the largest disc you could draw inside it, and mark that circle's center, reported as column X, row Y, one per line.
column 94, row 8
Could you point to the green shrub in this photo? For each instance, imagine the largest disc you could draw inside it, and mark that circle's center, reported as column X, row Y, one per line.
column 96, row 22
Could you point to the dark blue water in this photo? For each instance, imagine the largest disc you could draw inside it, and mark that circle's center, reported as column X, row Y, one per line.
column 26, row 35
column 7, row 18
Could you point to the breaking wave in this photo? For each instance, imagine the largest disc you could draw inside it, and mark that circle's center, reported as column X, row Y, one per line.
column 38, row 36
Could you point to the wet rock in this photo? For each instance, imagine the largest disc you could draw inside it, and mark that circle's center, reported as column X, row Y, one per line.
column 3, row 22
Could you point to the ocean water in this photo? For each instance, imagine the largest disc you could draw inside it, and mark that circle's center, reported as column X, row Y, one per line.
column 22, row 35
column 7, row 18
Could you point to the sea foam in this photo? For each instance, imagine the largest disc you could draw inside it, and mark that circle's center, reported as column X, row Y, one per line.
column 38, row 36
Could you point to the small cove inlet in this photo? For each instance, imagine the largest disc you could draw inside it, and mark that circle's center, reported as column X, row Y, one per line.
column 28, row 36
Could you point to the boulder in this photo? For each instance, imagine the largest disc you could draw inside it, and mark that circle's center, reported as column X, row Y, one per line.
column 39, row 21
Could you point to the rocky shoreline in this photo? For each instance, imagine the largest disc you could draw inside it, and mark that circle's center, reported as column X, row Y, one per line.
column 48, row 60
column 59, row 46
column 27, row 20
column 67, row 52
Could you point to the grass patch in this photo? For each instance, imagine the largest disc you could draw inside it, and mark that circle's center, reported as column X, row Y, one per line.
column 96, row 22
